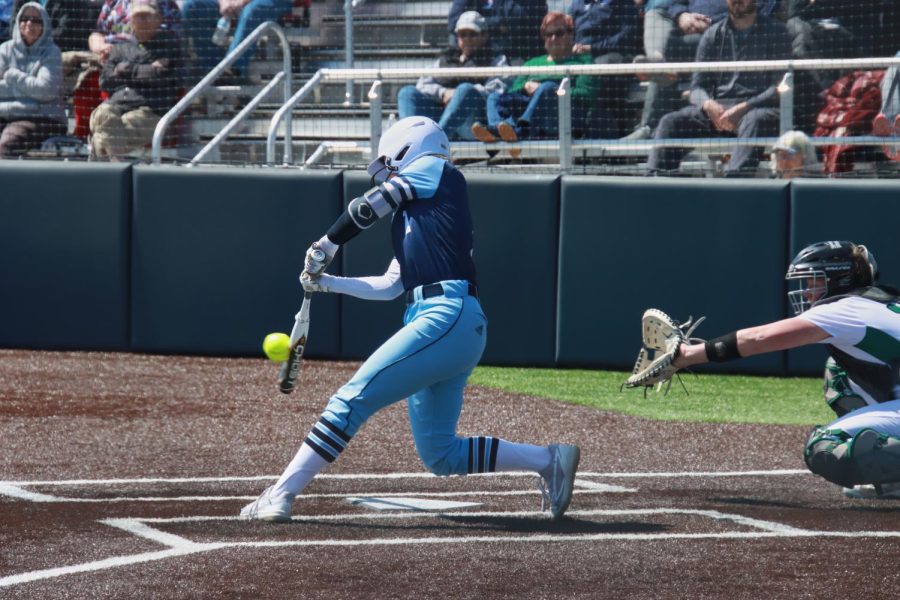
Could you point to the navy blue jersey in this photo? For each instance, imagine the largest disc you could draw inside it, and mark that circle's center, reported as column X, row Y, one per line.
column 432, row 229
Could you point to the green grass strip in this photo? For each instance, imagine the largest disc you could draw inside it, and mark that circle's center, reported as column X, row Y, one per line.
column 712, row 399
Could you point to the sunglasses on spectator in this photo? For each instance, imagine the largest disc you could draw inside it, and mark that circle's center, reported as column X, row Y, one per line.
column 556, row 33
column 468, row 33
column 36, row 20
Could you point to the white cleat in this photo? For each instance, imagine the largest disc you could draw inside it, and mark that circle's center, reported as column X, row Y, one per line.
column 868, row 491
column 270, row 507
column 558, row 479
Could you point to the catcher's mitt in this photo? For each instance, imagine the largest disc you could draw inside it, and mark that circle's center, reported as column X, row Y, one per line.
column 662, row 337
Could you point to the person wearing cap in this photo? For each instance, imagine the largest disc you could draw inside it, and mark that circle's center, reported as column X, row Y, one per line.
column 31, row 104
column 529, row 109
column 795, row 156
column 512, row 24
column 200, row 19
column 142, row 79
column 456, row 102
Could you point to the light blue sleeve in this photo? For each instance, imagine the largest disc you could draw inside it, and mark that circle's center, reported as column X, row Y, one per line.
column 424, row 176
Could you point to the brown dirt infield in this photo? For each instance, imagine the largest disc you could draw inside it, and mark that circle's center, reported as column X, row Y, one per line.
column 155, row 442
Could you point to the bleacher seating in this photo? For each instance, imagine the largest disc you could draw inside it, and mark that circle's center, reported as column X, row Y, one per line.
column 386, row 34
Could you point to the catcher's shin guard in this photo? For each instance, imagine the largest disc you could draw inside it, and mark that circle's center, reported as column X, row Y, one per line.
column 876, row 457
column 838, row 394
column 868, row 457
column 827, row 455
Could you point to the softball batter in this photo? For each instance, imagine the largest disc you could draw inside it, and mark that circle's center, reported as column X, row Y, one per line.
column 444, row 334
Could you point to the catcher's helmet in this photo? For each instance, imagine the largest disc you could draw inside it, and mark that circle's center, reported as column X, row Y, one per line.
column 407, row 140
column 826, row 269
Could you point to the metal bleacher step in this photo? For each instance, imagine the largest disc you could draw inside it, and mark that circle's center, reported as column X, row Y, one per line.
column 316, row 124
column 383, row 22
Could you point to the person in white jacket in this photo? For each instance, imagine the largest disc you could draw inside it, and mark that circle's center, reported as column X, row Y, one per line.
column 31, row 102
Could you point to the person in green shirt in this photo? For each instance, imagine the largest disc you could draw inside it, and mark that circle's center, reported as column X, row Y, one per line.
column 529, row 109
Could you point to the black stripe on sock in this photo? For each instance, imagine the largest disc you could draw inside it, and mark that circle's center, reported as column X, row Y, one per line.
column 319, row 450
column 335, row 431
column 326, row 442
column 481, row 450
column 469, row 469
column 492, row 464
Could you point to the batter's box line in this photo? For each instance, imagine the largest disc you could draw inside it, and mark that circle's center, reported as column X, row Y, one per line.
column 583, row 487
column 388, row 476
column 179, row 546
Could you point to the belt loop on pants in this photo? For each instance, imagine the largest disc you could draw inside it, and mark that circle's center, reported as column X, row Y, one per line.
column 434, row 289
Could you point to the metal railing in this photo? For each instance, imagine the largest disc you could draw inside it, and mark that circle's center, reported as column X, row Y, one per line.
column 565, row 144
column 284, row 77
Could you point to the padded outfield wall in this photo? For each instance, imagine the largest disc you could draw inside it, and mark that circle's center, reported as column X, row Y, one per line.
column 205, row 260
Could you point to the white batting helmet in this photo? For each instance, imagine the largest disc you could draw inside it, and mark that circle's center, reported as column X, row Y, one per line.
column 407, row 140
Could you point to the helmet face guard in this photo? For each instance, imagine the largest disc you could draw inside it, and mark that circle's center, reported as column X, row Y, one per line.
column 805, row 288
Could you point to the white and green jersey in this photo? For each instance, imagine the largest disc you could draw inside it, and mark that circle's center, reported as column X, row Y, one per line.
column 864, row 338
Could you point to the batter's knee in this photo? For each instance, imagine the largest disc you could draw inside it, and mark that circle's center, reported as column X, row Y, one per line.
column 442, row 460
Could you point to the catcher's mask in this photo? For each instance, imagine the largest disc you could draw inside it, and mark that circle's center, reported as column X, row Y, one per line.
column 407, row 140
column 827, row 269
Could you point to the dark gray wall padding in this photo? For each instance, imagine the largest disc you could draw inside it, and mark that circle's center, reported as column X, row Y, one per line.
column 217, row 253
column 64, row 238
column 687, row 247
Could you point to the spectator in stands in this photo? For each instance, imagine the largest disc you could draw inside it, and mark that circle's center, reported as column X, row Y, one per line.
column 114, row 23
column 530, row 108
column 31, row 105
column 609, row 31
column 733, row 103
column 200, row 18
column 110, row 25
column 456, row 102
column 795, row 156
column 829, row 29
column 72, row 22
column 672, row 31
column 513, row 25
column 143, row 83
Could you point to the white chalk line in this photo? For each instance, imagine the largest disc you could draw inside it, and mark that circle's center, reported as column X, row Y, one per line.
column 180, row 546
column 525, row 514
column 43, row 498
column 390, row 476
column 101, row 565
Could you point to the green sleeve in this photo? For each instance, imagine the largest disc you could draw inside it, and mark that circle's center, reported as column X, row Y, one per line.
column 519, row 84
column 585, row 88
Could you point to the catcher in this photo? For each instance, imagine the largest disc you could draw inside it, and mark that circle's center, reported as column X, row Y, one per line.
column 837, row 302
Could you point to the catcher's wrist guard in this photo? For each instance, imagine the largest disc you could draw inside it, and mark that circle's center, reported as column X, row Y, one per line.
column 723, row 348
column 662, row 337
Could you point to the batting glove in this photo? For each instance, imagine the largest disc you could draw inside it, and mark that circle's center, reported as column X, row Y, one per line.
column 317, row 260
column 315, row 284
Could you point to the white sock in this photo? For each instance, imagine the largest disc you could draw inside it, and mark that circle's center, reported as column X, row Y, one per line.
column 306, row 465
column 518, row 457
